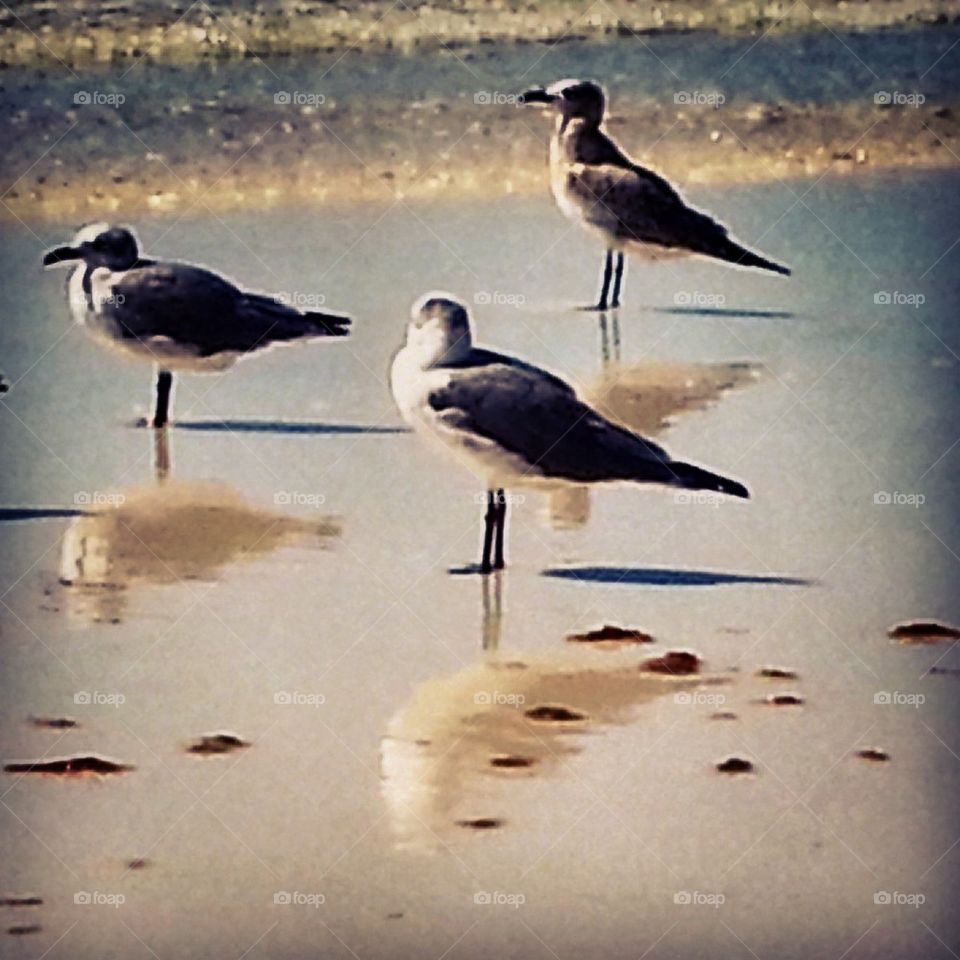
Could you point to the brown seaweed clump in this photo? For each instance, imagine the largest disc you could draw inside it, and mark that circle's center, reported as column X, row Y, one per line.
column 735, row 765
column 679, row 663
column 554, row 713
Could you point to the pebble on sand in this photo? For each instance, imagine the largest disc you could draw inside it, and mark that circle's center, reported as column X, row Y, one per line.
column 923, row 631
column 554, row 713
column 677, row 662
column 735, row 765
column 873, row 754
column 776, row 673
column 610, row 636
column 217, row 743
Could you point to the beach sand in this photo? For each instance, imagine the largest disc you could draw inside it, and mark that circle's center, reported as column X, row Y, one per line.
column 394, row 799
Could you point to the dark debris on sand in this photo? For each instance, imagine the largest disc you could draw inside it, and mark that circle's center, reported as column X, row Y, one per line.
column 610, row 635
column 735, row 765
column 213, row 744
column 27, row 901
column 481, row 823
column 55, row 723
column 88, row 764
column 510, row 761
column 873, row 754
column 24, row 929
column 783, row 700
column 554, row 713
column 679, row 663
column 776, row 673
column 923, row 631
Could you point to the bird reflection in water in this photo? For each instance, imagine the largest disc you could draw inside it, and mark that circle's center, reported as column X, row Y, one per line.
column 645, row 398
column 455, row 756
column 169, row 532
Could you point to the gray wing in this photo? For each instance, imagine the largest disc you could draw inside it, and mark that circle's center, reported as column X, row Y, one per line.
column 539, row 418
column 637, row 204
column 196, row 307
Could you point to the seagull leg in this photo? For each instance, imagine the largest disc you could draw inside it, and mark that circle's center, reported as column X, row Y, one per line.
column 617, row 279
column 164, row 384
column 489, row 520
column 605, row 287
column 498, row 562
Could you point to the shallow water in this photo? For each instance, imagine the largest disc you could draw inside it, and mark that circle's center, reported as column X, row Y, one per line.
column 315, row 649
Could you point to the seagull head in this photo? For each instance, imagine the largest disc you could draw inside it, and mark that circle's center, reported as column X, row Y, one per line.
column 98, row 245
column 439, row 329
column 573, row 99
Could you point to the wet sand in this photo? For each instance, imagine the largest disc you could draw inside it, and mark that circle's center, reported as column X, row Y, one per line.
column 620, row 834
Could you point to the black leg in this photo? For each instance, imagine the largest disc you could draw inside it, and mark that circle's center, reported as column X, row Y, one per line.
column 617, row 280
column 605, row 287
column 490, row 519
column 498, row 562
column 164, row 384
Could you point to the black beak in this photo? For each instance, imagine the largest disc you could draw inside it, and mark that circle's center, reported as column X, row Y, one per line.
column 60, row 255
column 537, row 95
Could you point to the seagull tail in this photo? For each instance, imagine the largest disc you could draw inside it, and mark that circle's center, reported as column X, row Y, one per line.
column 692, row 477
column 327, row 324
column 731, row 251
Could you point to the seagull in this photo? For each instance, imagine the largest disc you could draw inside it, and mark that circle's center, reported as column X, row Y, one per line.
column 632, row 209
column 177, row 315
column 513, row 424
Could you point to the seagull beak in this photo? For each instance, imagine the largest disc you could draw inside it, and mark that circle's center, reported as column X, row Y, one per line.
column 537, row 95
column 60, row 255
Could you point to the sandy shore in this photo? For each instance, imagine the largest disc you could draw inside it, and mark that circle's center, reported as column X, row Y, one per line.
column 256, row 157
